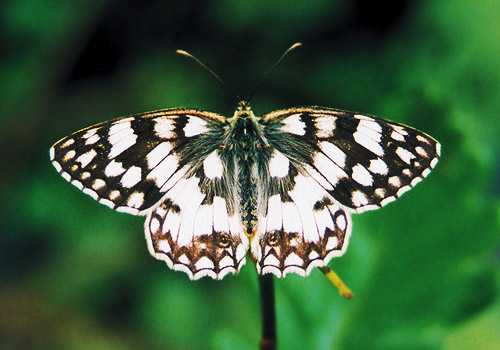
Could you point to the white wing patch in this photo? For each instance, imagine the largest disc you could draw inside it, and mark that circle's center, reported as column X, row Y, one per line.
column 164, row 170
column 113, row 169
column 86, row 158
column 195, row 126
column 131, row 177
column 278, row 164
column 212, row 166
column 294, row 125
column 164, row 128
column 331, row 171
column 334, row 153
column 325, row 126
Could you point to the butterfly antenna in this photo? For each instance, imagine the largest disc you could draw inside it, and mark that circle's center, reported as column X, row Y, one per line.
column 273, row 67
column 203, row 65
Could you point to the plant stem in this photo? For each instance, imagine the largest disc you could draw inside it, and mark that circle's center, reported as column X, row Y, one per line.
column 335, row 279
column 268, row 339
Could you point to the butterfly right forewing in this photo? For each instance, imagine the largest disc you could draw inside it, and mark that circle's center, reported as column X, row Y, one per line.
column 362, row 161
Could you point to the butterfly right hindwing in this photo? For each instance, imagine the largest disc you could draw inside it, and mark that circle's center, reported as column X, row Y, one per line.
column 300, row 225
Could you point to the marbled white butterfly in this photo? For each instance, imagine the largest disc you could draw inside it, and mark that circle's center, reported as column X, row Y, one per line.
column 282, row 185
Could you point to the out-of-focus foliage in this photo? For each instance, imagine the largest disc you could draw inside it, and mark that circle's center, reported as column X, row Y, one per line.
column 425, row 270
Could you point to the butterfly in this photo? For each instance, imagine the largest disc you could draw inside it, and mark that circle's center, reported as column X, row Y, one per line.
column 281, row 186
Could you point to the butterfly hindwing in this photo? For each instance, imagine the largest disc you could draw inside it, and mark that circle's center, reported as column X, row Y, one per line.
column 300, row 226
column 197, row 228
column 129, row 163
column 362, row 161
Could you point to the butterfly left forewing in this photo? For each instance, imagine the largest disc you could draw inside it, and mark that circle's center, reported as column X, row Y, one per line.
column 300, row 226
column 362, row 161
column 128, row 164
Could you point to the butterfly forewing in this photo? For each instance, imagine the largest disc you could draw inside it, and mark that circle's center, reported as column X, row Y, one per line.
column 362, row 161
column 129, row 164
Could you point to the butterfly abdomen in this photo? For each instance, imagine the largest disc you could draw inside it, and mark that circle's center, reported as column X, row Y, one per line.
column 247, row 145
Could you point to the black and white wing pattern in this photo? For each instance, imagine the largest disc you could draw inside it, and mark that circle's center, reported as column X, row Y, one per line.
column 165, row 165
column 322, row 164
column 294, row 175
column 363, row 162
column 129, row 163
column 197, row 228
column 300, row 225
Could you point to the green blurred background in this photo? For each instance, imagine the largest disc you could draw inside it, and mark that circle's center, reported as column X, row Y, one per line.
column 425, row 270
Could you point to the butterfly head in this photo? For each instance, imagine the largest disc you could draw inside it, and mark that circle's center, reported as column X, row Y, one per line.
column 243, row 112
column 244, row 107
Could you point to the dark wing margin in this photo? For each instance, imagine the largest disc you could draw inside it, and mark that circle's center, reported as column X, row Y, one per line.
column 129, row 163
column 362, row 161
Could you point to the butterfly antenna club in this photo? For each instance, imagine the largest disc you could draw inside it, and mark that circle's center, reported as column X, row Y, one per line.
column 273, row 67
column 203, row 65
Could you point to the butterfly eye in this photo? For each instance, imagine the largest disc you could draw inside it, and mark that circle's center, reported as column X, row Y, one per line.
column 274, row 238
column 224, row 241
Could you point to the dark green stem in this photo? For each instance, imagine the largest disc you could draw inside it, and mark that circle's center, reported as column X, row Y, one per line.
column 268, row 339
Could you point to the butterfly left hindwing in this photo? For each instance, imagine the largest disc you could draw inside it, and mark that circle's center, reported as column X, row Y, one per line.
column 197, row 228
